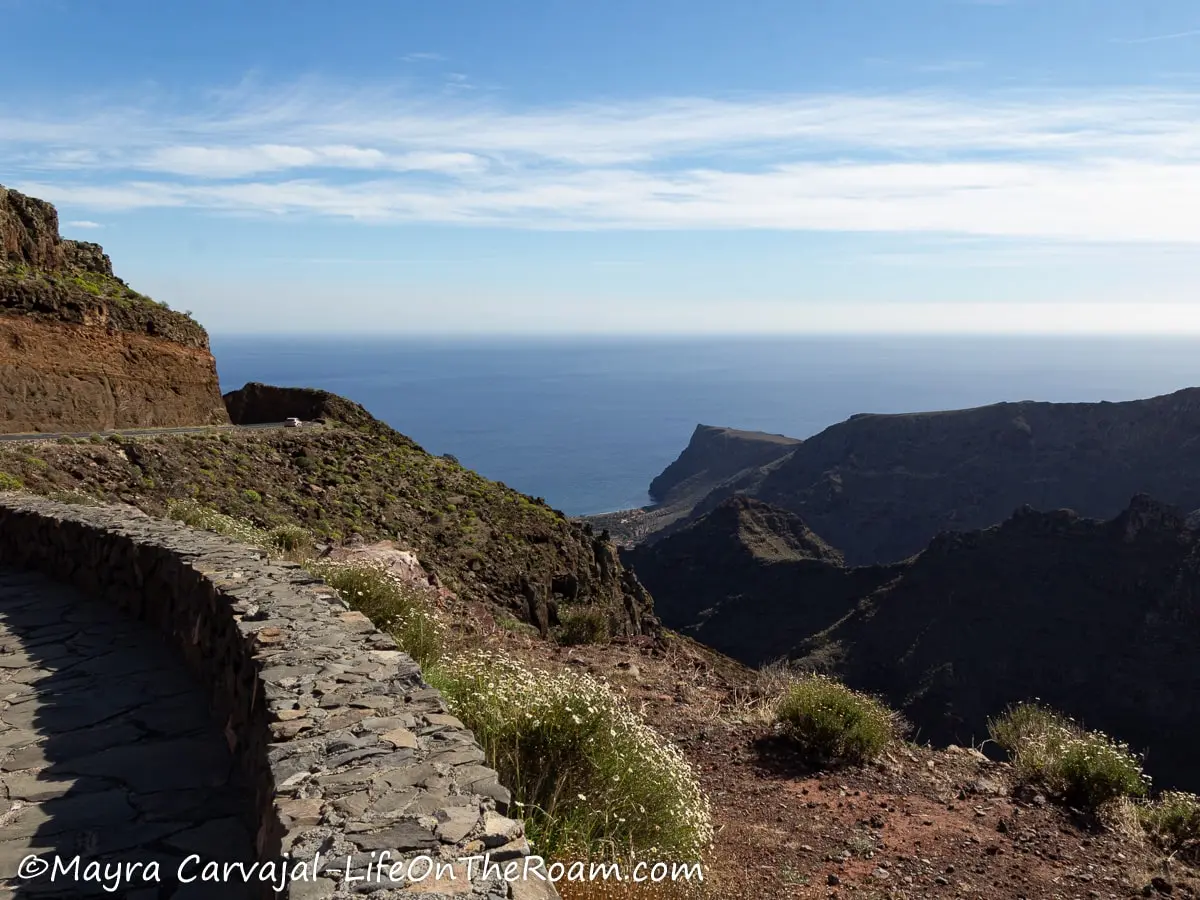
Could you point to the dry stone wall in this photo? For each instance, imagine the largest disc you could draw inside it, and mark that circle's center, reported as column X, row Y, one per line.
column 356, row 763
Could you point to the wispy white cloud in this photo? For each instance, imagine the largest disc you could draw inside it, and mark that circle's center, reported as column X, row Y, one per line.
column 1120, row 165
column 1174, row 36
column 84, row 223
column 423, row 57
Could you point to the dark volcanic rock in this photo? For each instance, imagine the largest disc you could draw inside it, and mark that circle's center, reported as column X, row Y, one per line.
column 713, row 456
column 256, row 403
column 879, row 487
column 750, row 580
column 1097, row 618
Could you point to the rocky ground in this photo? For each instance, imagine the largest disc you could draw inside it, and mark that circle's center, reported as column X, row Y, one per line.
column 921, row 823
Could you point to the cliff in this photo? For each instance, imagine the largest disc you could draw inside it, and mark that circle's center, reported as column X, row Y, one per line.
column 1097, row 618
column 879, row 487
column 714, row 455
column 79, row 349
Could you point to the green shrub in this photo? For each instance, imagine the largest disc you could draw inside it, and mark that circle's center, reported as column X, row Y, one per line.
column 1085, row 768
column 1172, row 822
column 251, row 496
column 830, row 723
column 589, row 775
column 10, row 482
column 289, row 538
column 394, row 605
column 583, row 625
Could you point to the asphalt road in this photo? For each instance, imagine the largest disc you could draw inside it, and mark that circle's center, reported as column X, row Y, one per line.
column 145, row 432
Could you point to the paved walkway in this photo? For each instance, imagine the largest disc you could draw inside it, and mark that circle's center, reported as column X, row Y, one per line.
column 106, row 752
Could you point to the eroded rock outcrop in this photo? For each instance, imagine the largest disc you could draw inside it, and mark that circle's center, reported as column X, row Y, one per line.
column 79, row 349
column 256, row 403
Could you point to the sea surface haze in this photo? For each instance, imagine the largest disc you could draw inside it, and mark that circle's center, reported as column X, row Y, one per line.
column 587, row 423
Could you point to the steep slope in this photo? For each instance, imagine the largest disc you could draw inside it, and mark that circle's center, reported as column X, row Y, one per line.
column 879, row 487
column 79, row 349
column 714, row 455
column 750, row 580
column 484, row 541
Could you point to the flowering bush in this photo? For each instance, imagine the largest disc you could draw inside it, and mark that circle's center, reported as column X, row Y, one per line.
column 394, row 605
column 829, row 723
column 1172, row 822
column 197, row 515
column 1087, row 768
column 592, row 778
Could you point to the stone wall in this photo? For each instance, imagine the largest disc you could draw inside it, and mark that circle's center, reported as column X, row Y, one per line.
column 351, row 753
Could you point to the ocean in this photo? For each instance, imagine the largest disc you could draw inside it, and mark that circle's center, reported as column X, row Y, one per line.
column 587, row 423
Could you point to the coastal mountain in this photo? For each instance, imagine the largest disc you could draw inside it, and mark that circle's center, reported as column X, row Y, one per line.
column 1097, row 618
column 880, row 487
column 712, row 457
column 82, row 351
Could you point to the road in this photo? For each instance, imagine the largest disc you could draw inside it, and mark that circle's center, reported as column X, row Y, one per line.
column 147, row 432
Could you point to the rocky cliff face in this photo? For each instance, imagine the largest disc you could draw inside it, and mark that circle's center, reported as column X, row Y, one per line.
column 1098, row 618
column 713, row 456
column 79, row 349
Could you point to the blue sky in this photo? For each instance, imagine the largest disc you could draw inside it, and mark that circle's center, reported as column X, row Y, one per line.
column 625, row 166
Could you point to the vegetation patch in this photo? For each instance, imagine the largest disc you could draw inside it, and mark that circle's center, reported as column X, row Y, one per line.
column 829, row 723
column 583, row 625
column 1086, row 768
column 196, row 515
column 1172, row 823
column 394, row 605
column 592, row 778
column 10, row 482
column 340, row 481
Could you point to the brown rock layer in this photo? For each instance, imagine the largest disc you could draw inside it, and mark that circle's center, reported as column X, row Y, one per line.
column 79, row 349
column 60, row 377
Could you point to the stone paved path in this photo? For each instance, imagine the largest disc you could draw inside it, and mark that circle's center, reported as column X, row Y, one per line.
column 106, row 751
